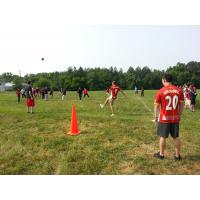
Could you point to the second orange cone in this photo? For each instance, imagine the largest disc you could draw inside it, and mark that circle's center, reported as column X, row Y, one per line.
column 74, row 125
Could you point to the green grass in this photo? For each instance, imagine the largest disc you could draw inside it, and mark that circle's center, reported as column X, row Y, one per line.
column 36, row 144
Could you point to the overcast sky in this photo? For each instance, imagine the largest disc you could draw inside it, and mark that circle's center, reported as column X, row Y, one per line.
column 31, row 30
column 97, row 46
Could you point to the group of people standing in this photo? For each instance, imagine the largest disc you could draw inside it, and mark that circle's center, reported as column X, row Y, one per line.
column 37, row 92
column 190, row 94
column 31, row 93
column 136, row 91
column 82, row 92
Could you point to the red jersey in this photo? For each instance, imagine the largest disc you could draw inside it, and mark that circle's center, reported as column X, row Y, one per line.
column 85, row 91
column 188, row 96
column 114, row 89
column 169, row 98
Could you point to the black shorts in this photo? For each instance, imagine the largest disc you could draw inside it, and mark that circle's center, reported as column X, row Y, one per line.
column 193, row 102
column 164, row 130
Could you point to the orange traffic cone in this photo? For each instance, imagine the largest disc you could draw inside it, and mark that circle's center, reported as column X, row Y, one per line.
column 74, row 125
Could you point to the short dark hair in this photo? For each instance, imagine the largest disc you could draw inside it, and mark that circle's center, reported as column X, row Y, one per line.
column 168, row 77
column 29, row 82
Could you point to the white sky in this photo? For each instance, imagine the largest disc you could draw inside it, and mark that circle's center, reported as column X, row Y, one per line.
column 31, row 30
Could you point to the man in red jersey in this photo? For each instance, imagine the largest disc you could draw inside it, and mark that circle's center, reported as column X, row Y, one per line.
column 167, row 110
column 85, row 93
column 113, row 90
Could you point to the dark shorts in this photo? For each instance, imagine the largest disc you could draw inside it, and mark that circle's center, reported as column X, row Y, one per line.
column 193, row 101
column 164, row 130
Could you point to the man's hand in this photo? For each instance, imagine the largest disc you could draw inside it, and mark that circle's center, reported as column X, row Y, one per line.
column 155, row 119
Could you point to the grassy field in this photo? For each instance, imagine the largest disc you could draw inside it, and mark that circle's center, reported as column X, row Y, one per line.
column 124, row 144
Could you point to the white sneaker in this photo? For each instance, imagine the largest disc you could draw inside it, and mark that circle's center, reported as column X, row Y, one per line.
column 112, row 115
column 101, row 105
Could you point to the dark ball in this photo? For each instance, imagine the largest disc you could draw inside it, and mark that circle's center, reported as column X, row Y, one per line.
column 42, row 58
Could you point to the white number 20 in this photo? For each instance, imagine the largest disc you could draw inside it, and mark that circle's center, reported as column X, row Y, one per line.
column 173, row 101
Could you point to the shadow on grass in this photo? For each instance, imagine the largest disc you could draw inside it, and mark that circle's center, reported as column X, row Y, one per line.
column 195, row 158
column 66, row 133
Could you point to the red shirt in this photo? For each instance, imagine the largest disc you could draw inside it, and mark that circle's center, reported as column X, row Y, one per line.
column 188, row 96
column 85, row 91
column 169, row 98
column 114, row 89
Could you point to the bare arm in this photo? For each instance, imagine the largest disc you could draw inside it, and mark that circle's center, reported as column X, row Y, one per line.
column 156, row 111
column 181, row 108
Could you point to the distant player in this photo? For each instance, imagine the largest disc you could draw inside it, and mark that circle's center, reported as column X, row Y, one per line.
column 37, row 91
column 85, row 93
column 80, row 92
column 167, row 110
column 187, row 98
column 18, row 93
column 46, row 94
column 30, row 103
column 136, row 89
column 63, row 92
column 193, row 95
column 142, row 91
column 113, row 90
column 51, row 92
column 23, row 93
column 42, row 92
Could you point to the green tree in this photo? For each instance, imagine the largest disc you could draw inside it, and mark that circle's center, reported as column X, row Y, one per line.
column 43, row 82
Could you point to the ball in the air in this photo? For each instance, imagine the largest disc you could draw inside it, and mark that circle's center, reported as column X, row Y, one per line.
column 42, row 58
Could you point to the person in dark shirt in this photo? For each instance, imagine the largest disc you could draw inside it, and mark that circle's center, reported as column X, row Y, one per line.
column 45, row 93
column 30, row 103
column 51, row 92
column 80, row 92
column 63, row 92
column 42, row 93
column 193, row 95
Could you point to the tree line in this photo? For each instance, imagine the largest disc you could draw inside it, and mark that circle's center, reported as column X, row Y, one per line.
column 100, row 78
